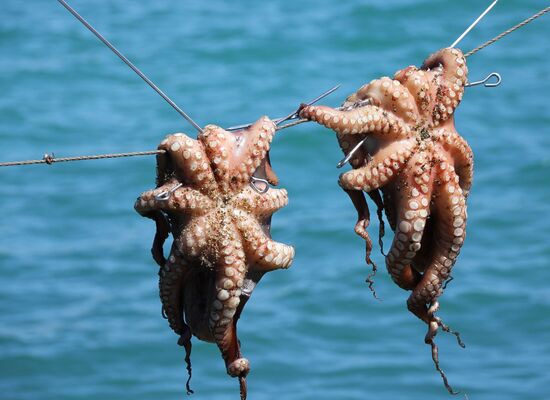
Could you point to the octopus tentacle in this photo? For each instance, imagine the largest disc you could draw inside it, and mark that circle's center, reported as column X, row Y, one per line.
column 265, row 253
column 230, row 272
column 218, row 144
column 171, row 280
column 452, row 64
column 414, row 208
column 368, row 119
column 418, row 84
column 261, row 205
column 462, row 155
column 183, row 199
column 363, row 220
column 377, row 199
column 145, row 208
column 237, row 155
column 185, row 154
column 450, row 222
column 392, row 96
column 252, row 150
column 389, row 197
column 270, row 174
column 383, row 168
column 172, row 277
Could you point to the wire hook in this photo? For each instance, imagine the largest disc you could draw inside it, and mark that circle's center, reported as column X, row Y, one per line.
column 253, row 181
column 165, row 195
column 344, row 160
column 485, row 82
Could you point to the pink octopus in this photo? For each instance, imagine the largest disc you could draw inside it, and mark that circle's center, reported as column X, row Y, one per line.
column 213, row 195
column 422, row 167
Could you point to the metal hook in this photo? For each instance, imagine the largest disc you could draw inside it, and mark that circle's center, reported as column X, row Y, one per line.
column 253, row 181
column 484, row 81
column 165, row 195
column 344, row 160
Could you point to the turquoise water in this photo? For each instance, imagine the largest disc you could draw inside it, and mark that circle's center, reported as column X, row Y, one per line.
column 79, row 309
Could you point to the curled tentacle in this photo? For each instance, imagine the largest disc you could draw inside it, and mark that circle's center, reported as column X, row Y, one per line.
column 263, row 252
column 376, row 197
column 172, row 278
column 381, row 170
column 391, row 96
column 462, row 156
column 414, row 209
column 449, row 233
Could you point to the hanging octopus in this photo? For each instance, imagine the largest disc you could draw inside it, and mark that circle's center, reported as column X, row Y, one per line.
column 414, row 157
column 213, row 196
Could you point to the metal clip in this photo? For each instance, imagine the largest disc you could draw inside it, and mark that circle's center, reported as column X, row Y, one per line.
column 49, row 158
column 344, row 160
column 253, row 181
column 484, row 81
column 165, row 195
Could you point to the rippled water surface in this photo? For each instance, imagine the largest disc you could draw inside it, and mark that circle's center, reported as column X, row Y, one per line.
column 79, row 309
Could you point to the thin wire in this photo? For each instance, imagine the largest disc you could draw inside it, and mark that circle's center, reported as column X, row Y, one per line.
column 290, row 124
column 51, row 160
column 289, row 116
column 315, row 100
column 474, row 24
column 507, row 32
column 130, row 64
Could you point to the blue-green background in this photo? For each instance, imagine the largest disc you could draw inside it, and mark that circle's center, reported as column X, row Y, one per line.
column 79, row 309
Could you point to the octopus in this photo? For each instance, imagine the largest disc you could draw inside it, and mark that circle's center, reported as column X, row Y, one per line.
column 213, row 195
column 416, row 168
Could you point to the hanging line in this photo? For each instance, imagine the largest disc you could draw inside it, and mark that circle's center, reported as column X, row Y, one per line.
column 507, row 32
column 130, row 64
column 48, row 159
